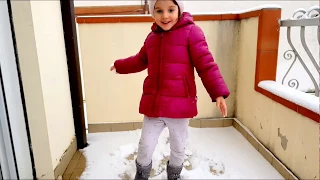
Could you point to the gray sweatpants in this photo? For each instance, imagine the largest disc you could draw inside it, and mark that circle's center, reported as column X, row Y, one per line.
column 151, row 130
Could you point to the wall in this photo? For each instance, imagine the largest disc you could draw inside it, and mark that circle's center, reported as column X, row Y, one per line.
column 115, row 98
column 43, row 64
column 293, row 138
column 54, row 75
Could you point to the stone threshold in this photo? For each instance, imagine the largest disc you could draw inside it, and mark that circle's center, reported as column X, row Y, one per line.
column 65, row 160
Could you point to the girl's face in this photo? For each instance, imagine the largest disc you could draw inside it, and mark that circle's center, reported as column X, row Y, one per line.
column 166, row 14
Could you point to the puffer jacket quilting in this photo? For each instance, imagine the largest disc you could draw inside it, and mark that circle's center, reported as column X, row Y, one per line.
column 170, row 58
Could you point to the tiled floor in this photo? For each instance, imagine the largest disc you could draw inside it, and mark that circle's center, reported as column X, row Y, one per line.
column 76, row 167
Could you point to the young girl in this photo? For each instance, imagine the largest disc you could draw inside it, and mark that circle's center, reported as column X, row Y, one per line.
column 171, row 51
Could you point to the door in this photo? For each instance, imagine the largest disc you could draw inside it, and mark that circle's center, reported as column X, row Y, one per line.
column 15, row 146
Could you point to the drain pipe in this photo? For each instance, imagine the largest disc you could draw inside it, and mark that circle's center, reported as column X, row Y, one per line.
column 71, row 46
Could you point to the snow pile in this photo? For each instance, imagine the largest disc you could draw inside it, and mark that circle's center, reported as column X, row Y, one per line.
column 303, row 99
column 212, row 153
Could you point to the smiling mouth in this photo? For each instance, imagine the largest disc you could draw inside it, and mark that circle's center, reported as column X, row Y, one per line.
column 165, row 22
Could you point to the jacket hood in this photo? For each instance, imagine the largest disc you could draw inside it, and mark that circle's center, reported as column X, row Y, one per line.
column 185, row 19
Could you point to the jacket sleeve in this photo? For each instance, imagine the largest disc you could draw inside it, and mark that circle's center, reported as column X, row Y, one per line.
column 205, row 66
column 132, row 64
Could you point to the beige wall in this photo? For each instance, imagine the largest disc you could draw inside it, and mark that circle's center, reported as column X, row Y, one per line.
column 115, row 98
column 54, row 75
column 294, row 139
column 43, row 64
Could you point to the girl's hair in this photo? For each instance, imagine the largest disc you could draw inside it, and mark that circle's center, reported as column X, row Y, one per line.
column 175, row 2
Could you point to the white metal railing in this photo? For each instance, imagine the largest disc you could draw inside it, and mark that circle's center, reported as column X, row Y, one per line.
column 306, row 18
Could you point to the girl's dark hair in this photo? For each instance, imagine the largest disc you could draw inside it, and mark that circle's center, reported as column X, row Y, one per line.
column 175, row 2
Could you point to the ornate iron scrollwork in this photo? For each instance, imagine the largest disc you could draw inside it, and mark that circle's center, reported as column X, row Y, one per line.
column 302, row 18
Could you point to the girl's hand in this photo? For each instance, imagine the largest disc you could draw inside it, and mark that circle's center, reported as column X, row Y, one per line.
column 111, row 68
column 221, row 103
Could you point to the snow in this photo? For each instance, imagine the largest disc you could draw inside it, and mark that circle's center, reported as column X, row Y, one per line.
column 265, row 6
column 303, row 99
column 212, row 153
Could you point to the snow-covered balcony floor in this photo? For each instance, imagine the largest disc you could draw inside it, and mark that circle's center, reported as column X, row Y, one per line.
column 212, row 153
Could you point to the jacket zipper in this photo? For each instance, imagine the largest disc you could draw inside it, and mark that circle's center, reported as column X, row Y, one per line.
column 158, row 79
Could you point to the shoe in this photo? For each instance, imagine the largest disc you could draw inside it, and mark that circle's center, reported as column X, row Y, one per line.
column 174, row 172
column 143, row 172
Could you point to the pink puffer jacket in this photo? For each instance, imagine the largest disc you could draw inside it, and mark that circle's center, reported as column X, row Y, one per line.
column 169, row 90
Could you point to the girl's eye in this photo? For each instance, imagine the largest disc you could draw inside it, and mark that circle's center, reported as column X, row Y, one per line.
column 171, row 10
column 159, row 11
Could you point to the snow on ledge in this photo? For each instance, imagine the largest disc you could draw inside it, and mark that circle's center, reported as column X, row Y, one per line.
column 300, row 98
column 266, row 6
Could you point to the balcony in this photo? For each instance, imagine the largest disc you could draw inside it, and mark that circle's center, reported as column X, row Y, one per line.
column 265, row 113
column 269, row 62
